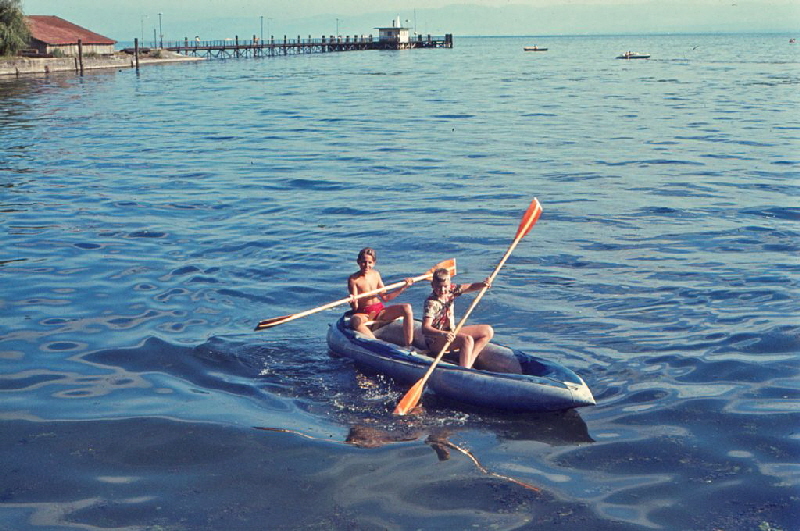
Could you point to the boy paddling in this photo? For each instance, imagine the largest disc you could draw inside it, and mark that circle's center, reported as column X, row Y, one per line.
column 438, row 320
column 368, row 279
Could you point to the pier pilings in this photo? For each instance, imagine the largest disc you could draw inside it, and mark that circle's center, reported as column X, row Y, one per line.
column 234, row 48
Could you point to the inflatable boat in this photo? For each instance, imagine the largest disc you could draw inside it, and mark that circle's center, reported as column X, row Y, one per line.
column 502, row 379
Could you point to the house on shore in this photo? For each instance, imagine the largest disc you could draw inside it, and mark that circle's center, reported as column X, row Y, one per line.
column 51, row 34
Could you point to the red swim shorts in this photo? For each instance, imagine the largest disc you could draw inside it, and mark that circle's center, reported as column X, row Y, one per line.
column 373, row 309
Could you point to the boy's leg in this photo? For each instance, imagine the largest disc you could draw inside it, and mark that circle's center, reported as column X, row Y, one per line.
column 358, row 322
column 390, row 313
column 466, row 349
column 463, row 343
column 481, row 334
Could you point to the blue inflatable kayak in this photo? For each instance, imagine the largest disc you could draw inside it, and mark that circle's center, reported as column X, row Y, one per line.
column 535, row 385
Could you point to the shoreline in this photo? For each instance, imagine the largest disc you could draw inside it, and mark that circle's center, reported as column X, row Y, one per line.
column 25, row 66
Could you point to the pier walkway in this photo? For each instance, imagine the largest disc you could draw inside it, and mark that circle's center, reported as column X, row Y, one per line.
column 234, row 48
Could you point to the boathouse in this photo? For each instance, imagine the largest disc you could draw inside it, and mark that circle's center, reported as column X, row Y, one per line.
column 54, row 35
column 395, row 37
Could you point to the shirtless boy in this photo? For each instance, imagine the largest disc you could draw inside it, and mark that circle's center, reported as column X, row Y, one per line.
column 368, row 279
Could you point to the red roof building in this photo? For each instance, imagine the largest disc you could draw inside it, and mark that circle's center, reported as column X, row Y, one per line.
column 50, row 33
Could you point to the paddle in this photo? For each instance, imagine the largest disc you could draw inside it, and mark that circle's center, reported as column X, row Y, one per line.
column 450, row 265
column 411, row 398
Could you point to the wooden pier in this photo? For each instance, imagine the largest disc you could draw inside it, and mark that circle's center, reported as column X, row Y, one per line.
column 230, row 49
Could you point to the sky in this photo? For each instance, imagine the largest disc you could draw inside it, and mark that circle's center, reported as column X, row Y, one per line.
column 123, row 20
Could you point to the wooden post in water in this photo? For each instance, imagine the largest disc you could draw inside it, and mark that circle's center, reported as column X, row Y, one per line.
column 136, row 51
column 80, row 54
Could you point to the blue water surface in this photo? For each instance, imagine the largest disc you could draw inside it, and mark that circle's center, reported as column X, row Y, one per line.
column 151, row 219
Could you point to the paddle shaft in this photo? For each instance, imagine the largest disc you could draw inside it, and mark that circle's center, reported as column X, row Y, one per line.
column 347, row 300
column 412, row 396
column 472, row 306
column 268, row 323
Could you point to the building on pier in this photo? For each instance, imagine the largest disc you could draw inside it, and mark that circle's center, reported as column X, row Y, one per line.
column 395, row 37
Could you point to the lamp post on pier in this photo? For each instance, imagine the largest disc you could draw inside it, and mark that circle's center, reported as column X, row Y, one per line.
column 337, row 28
column 142, row 19
column 160, row 32
column 262, row 29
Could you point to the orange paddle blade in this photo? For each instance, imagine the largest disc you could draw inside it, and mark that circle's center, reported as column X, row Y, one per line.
column 450, row 265
column 411, row 398
column 529, row 219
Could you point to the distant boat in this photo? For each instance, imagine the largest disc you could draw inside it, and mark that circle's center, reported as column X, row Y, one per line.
column 634, row 55
column 534, row 49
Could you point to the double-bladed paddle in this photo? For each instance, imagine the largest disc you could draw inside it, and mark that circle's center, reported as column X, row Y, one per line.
column 411, row 398
column 450, row 265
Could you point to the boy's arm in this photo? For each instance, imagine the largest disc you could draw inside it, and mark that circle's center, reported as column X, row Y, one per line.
column 475, row 286
column 429, row 330
column 352, row 287
column 396, row 293
column 379, row 285
column 427, row 327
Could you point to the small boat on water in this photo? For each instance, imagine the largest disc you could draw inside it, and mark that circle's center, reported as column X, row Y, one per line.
column 534, row 49
column 526, row 383
column 634, row 55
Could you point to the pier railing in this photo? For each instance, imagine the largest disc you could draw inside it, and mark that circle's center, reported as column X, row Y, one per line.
column 232, row 48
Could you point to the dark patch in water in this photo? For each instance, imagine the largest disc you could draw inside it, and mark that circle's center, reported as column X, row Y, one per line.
column 28, row 382
column 789, row 213
column 453, row 116
column 204, row 365
column 88, row 246
column 735, row 371
column 308, row 184
column 147, row 234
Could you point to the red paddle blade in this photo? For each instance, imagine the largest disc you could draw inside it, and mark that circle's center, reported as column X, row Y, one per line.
column 529, row 219
column 411, row 398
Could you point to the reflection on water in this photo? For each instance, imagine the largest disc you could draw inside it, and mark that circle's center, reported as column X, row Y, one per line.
column 439, row 439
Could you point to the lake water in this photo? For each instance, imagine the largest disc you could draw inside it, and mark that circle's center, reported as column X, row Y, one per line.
column 151, row 220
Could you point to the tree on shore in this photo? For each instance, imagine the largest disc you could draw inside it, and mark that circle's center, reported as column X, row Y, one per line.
column 14, row 32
